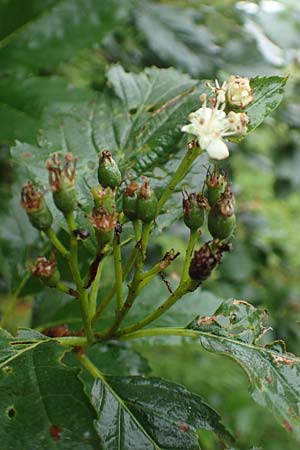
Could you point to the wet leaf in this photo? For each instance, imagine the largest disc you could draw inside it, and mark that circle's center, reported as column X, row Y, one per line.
column 155, row 413
column 274, row 374
column 42, row 402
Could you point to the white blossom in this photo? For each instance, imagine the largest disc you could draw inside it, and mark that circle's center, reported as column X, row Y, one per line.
column 211, row 124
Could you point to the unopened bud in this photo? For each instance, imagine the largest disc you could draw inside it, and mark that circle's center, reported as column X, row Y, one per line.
column 46, row 271
column 194, row 207
column 109, row 174
column 34, row 203
column 239, row 92
column 146, row 203
column 62, row 176
column 221, row 218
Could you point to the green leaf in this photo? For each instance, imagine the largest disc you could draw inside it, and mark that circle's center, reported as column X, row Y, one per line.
column 53, row 37
column 137, row 413
column 42, row 402
column 184, row 43
column 274, row 374
column 22, row 103
column 13, row 14
column 268, row 93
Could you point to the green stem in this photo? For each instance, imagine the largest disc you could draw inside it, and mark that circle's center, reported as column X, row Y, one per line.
column 91, row 368
column 72, row 341
column 66, row 289
column 160, row 332
column 56, row 242
column 118, row 271
column 179, row 174
column 127, row 268
column 189, row 255
column 134, row 286
column 74, row 266
column 171, row 300
column 137, row 232
column 95, row 289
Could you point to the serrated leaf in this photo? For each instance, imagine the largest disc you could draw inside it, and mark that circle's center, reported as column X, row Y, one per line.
column 140, row 124
column 137, row 413
column 53, row 37
column 42, row 403
column 22, row 103
column 183, row 43
column 274, row 374
column 268, row 93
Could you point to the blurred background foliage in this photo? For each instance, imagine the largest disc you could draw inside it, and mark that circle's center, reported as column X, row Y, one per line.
column 49, row 47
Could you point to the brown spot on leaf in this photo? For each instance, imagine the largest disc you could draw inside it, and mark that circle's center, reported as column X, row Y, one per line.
column 287, row 426
column 268, row 380
column 26, row 155
column 184, row 427
column 282, row 360
column 55, row 432
column 208, row 320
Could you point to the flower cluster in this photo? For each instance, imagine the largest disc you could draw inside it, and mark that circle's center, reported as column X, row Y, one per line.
column 211, row 124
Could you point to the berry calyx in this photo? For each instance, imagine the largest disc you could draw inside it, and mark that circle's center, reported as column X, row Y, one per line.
column 34, row 203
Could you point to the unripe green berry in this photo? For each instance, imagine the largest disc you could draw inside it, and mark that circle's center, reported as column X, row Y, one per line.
column 36, row 208
column 147, row 203
column 216, row 184
column 62, row 181
column 221, row 218
column 109, row 174
column 104, row 224
column 129, row 200
column 194, row 206
column 65, row 198
column 104, row 198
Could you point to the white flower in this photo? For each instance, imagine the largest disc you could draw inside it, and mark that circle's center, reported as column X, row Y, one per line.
column 211, row 125
column 239, row 92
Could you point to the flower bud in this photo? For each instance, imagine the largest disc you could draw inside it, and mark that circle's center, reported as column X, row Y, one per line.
column 36, row 208
column 62, row 181
column 221, row 218
column 46, row 271
column 239, row 92
column 109, row 174
column 147, row 202
column 206, row 259
column 104, row 224
column 216, row 184
column 129, row 200
column 194, row 206
column 104, row 197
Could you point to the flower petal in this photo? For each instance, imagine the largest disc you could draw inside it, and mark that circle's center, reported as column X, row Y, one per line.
column 191, row 129
column 217, row 149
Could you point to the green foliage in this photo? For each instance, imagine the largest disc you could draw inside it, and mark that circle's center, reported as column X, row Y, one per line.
column 235, row 329
column 73, row 79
